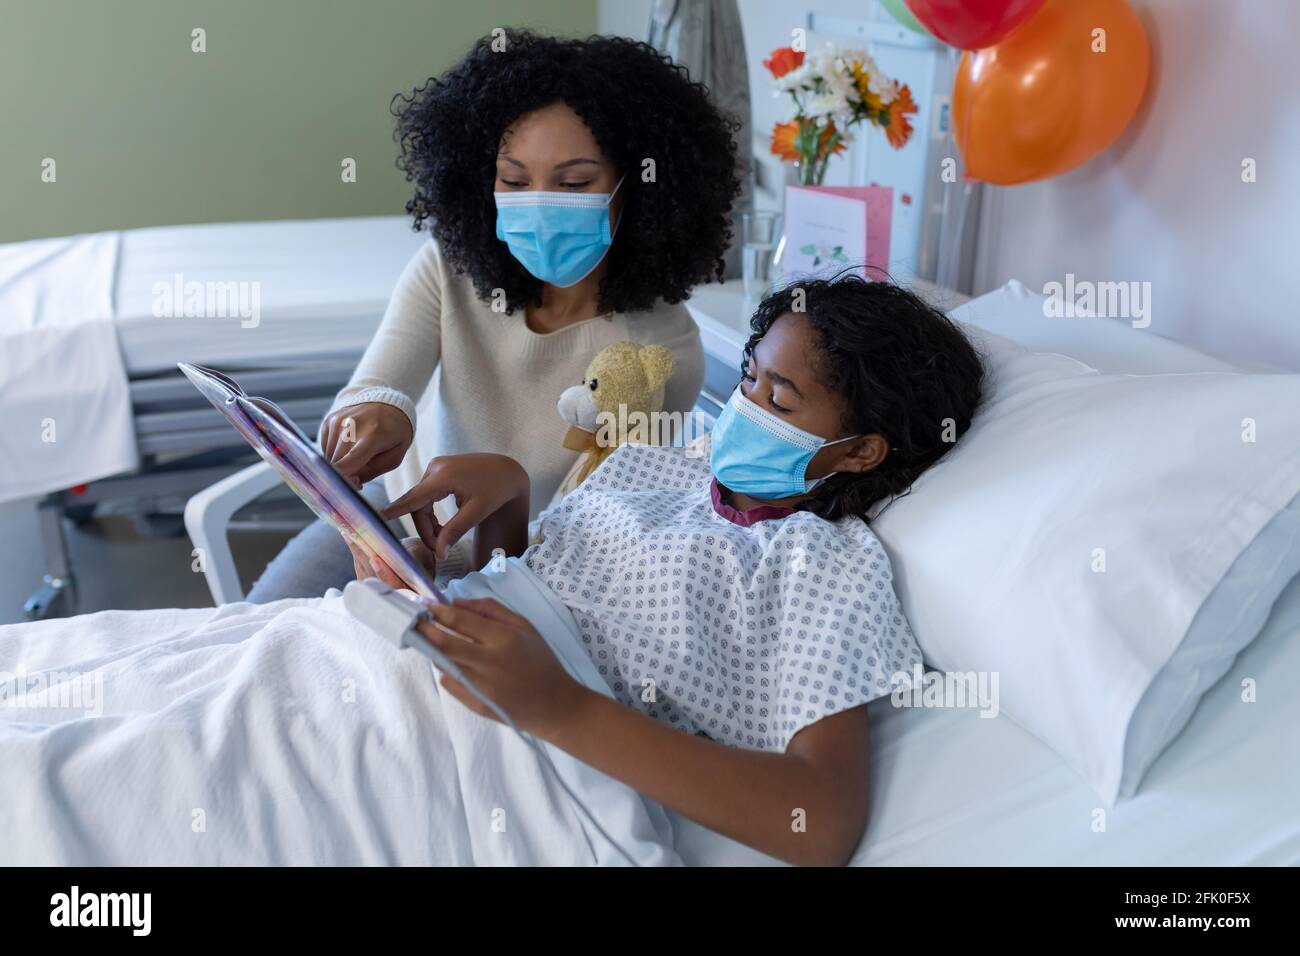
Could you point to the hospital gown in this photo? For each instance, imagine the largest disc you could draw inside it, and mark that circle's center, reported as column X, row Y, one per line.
column 744, row 633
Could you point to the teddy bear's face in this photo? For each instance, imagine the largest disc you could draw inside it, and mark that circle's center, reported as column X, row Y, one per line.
column 623, row 374
column 578, row 407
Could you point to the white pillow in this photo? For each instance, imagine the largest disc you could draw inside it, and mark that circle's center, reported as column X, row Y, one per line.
column 1108, row 345
column 994, row 551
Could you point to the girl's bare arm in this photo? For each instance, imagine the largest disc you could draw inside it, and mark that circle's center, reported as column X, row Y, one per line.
column 807, row 805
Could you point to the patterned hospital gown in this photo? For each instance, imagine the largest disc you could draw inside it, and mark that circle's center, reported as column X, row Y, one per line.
column 743, row 634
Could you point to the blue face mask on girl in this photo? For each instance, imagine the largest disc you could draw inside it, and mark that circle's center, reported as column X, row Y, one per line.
column 559, row 237
column 757, row 453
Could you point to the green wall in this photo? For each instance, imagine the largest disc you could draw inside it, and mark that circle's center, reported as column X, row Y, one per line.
column 145, row 132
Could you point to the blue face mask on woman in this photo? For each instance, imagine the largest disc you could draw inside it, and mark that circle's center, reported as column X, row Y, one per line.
column 757, row 453
column 559, row 237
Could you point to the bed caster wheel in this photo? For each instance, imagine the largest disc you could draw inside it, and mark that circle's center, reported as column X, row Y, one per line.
column 52, row 599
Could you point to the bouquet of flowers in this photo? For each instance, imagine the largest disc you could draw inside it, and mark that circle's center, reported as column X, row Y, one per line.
column 833, row 90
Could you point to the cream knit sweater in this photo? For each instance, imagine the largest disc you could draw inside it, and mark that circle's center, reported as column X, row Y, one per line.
column 472, row 379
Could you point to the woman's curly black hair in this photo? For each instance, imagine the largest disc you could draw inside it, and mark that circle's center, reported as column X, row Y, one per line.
column 637, row 103
column 903, row 370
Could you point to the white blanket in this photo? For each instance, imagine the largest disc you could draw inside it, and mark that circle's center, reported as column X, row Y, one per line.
column 63, row 386
column 277, row 734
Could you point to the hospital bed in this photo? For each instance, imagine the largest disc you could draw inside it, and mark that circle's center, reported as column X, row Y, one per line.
column 947, row 787
column 951, row 788
column 322, row 287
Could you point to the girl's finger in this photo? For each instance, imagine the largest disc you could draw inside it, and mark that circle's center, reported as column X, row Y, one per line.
column 466, row 654
column 465, row 621
column 463, row 625
column 381, row 570
column 494, row 609
column 360, row 556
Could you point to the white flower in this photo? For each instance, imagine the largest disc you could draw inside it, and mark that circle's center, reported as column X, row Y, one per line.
column 825, row 85
column 861, row 57
column 801, row 77
column 827, row 104
column 883, row 86
column 824, row 60
column 840, row 83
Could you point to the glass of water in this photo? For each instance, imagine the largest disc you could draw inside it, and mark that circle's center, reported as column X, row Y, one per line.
column 761, row 230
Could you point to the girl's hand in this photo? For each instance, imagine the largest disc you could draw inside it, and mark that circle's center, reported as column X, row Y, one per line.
column 508, row 661
column 365, row 441
column 365, row 565
column 482, row 484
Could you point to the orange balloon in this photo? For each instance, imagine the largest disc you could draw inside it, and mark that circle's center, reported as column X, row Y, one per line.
column 1053, row 94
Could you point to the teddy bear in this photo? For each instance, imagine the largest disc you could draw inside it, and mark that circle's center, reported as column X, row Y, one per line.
column 620, row 396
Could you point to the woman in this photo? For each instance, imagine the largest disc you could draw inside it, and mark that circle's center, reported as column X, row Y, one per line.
column 576, row 191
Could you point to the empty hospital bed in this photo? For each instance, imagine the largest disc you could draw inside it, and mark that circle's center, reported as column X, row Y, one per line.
column 100, row 321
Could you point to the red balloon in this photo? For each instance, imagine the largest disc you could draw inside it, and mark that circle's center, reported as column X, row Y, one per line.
column 972, row 24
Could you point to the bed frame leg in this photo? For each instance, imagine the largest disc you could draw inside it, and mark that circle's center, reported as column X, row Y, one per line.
column 57, row 594
column 52, row 599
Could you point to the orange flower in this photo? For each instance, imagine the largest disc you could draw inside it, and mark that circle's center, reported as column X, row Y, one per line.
column 899, row 129
column 783, row 140
column 840, row 147
column 783, row 60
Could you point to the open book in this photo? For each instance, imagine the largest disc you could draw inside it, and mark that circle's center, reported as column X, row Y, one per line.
column 293, row 455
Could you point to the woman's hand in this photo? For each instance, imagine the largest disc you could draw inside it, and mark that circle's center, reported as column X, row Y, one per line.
column 508, row 661
column 365, row 565
column 482, row 485
column 365, row 441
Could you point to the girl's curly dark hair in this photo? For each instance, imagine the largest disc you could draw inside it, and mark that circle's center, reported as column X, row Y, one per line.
column 637, row 103
column 903, row 370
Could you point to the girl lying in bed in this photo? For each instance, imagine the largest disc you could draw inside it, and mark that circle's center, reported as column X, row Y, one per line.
column 731, row 590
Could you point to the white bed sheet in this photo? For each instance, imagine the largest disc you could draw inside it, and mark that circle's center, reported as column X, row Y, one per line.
column 323, row 283
column 294, row 735
column 949, row 787
column 63, row 390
